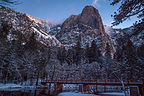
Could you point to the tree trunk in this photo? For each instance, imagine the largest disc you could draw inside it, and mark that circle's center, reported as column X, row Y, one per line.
column 37, row 78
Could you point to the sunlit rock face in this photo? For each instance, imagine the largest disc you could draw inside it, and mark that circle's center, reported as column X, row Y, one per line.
column 85, row 27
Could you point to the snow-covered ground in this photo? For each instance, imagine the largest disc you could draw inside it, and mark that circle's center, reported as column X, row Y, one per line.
column 82, row 94
column 75, row 94
column 112, row 94
column 19, row 86
column 10, row 87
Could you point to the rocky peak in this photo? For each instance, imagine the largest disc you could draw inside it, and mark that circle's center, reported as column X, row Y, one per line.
column 71, row 21
column 89, row 16
column 89, row 10
column 86, row 27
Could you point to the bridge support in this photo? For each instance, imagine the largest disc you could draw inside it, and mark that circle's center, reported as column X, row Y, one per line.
column 85, row 88
column 58, row 88
column 80, row 88
column 141, row 90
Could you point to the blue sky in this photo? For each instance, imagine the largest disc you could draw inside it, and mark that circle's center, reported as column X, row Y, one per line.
column 58, row 10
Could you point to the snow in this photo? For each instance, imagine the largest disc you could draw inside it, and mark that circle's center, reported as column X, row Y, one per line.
column 59, row 28
column 10, row 87
column 40, row 34
column 108, row 29
column 11, row 37
column 75, row 94
column 24, row 43
column 113, row 94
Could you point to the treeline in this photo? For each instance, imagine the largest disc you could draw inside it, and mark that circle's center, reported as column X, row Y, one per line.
column 77, row 54
column 131, row 58
column 24, row 58
column 21, row 58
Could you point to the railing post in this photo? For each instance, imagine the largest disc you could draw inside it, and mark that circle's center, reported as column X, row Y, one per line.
column 58, row 88
column 96, row 86
column 85, row 88
column 80, row 88
column 141, row 90
column 134, row 91
column 105, row 86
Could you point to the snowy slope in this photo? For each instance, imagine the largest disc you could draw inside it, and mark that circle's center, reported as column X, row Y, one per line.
column 47, row 25
column 75, row 94
column 137, row 38
column 108, row 29
column 27, row 25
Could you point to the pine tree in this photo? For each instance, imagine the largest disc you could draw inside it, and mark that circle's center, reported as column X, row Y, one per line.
column 70, row 56
column 78, row 52
column 87, row 52
column 118, row 54
column 4, row 30
column 61, row 55
column 140, row 51
column 32, row 44
column 131, row 58
column 108, row 51
column 130, row 49
column 92, row 53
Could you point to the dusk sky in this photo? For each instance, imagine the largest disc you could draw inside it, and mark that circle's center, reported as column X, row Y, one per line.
column 58, row 10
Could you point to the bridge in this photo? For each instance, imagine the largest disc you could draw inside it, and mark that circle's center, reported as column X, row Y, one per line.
column 85, row 84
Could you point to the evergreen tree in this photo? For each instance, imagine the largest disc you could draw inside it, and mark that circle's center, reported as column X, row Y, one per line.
column 32, row 44
column 131, row 59
column 61, row 55
column 70, row 56
column 93, row 52
column 118, row 54
column 4, row 30
column 130, row 49
column 87, row 52
column 108, row 51
column 78, row 52
column 140, row 52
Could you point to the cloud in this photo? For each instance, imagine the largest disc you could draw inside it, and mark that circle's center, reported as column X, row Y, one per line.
column 96, row 2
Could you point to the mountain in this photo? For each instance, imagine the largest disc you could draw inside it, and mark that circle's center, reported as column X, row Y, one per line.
column 27, row 25
column 47, row 25
column 82, row 48
column 86, row 27
column 136, row 37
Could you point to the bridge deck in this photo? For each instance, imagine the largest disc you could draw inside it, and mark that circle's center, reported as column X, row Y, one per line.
column 96, row 82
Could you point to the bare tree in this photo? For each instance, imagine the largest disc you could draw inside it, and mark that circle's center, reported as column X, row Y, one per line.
column 8, row 2
column 128, row 9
